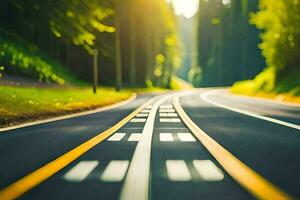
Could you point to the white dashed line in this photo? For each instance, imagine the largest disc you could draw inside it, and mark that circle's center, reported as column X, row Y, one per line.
column 137, row 120
column 81, row 171
column 186, row 137
column 168, row 114
column 116, row 137
column 172, row 120
column 115, row 171
column 142, row 115
column 135, row 137
column 166, row 137
column 145, row 111
column 178, row 171
column 166, row 110
column 208, row 171
column 169, row 106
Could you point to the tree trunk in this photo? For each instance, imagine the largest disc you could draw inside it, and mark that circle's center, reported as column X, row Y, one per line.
column 132, row 46
column 118, row 48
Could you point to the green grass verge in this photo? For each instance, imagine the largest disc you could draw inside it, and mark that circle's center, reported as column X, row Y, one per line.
column 263, row 85
column 24, row 104
column 21, row 104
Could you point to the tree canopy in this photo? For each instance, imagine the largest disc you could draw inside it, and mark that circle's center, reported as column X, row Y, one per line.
column 62, row 34
column 227, row 44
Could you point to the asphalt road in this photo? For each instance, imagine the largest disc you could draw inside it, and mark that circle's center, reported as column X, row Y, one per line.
column 155, row 153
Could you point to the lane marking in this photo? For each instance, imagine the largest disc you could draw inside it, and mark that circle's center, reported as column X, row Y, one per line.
column 115, row 171
column 166, row 137
column 186, row 137
column 138, row 120
column 171, row 120
column 208, row 171
column 168, row 115
column 177, row 170
column 16, row 189
column 148, row 107
column 81, row 171
column 44, row 121
column 136, row 184
column 254, row 183
column 145, row 111
column 133, row 128
column 142, row 115
column 168, row 106
column 116, row 137
column 173, row 128
column 205, row 96
column 166, row 110
column 135, row 137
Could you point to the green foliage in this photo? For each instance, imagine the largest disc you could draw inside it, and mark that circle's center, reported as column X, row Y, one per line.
column 70, row 20
column 38, row 37
column 153, row 31
column 280, row 20
column 264, row 81
column 179, row 84
column 227, row 44
column 28, row 62
column 195, row 75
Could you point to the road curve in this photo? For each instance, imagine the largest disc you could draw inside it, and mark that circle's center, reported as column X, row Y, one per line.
column 147, row 150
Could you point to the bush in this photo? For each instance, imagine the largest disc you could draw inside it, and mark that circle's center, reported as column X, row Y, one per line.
column 32, row 63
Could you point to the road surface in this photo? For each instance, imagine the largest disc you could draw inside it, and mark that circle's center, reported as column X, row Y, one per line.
column 200, row 144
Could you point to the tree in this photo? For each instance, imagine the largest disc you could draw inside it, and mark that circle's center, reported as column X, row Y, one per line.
column 129, row 35
column 280, row 21
column 227, row 44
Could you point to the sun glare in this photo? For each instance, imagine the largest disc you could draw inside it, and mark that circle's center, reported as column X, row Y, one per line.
column 187, row 8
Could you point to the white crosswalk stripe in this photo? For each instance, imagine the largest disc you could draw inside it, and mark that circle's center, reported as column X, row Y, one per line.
column 115, row 171
column 169, row 106
column 208, row 171
column 145, row 111
column 168, row 114
column 166, row 110
column 166, row 137
column 186, row 137
column 142, row 115
column 135, row 137
column 172, row 120
column 177, row 170
column 116, row 137
column 137, row 120
column 80, row 171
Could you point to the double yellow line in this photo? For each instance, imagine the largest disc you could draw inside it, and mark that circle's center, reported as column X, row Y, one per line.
column 254, row 183
column 33, row 179
column 246, row 177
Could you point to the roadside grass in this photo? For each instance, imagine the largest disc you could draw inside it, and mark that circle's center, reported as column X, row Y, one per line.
column 288, row 90
column 179, row 84
column 19, row 104
column 23, row 104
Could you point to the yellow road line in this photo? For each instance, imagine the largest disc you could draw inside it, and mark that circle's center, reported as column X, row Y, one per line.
column 33, row 179
column 254, row 183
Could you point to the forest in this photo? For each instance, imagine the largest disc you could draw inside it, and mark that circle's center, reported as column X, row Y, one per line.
column 252, row 40
column 143, row 43
column 53, row 41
